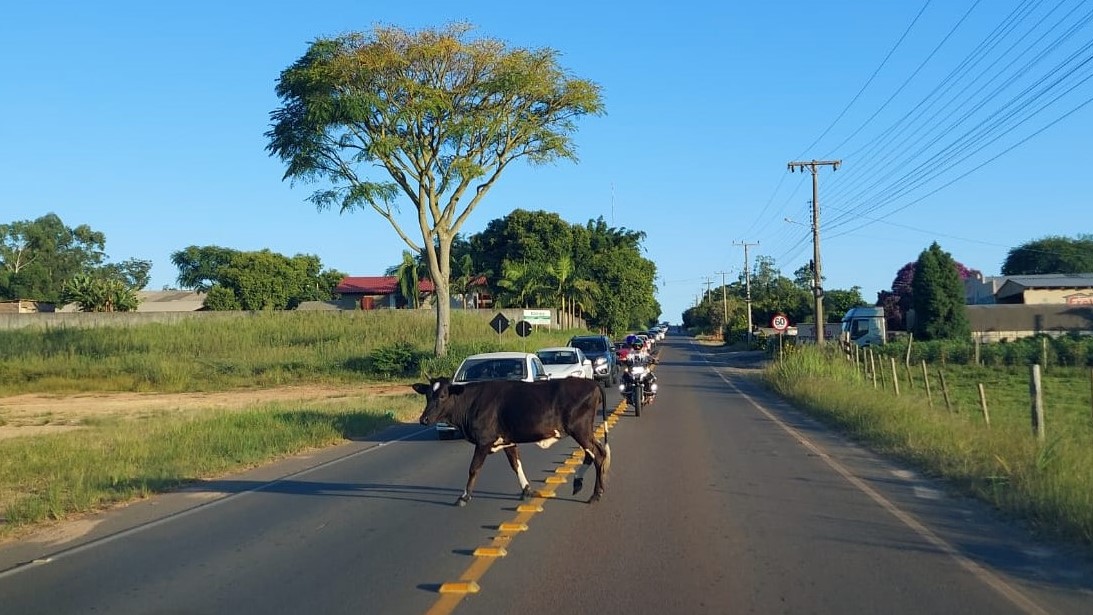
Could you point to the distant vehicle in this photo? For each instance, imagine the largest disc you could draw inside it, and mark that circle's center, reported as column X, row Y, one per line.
column 523, row 366
column 565, row 362
column 622, row 349
column 864, row 326
column 601, row 351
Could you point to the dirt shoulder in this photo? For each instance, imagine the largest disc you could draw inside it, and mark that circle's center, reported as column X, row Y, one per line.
column 33, row 414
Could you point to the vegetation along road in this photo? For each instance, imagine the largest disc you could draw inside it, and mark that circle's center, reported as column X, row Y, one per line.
column 721, row 498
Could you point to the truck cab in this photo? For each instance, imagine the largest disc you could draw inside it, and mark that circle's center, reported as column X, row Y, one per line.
column 864, row 326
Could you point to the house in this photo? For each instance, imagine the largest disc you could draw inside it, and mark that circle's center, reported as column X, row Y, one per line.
column 1045, row 289
column 1061, row 288
column 377, row 292
column 382, row 292
column 170, row 301
column 25, row 306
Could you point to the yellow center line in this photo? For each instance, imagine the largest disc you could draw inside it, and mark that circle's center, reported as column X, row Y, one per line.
column 452, row 593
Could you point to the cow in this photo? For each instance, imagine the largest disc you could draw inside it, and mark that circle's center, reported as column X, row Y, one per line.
column 500, row 414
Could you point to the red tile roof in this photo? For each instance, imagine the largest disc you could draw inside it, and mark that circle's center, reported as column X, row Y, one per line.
column 376, row 285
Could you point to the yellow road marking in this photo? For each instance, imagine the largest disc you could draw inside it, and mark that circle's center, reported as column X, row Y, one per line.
column 490, row 552
column 460, row 587
column 452, row 593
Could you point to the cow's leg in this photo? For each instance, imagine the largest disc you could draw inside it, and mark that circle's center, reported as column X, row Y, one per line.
column 514, row 460
column 597, row 453
column 480, row 453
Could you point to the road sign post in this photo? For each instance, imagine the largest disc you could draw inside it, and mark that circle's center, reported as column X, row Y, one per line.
column 779, row 322
column 499, row 324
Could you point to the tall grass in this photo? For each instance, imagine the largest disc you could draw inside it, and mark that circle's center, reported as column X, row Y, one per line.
column 256, row 350
column 51, row 477
column 1049, row 485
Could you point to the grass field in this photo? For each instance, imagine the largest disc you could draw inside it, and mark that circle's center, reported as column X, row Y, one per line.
column 157, row 443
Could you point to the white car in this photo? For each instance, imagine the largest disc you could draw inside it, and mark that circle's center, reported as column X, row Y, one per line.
column 523, row 366
column 565, row 362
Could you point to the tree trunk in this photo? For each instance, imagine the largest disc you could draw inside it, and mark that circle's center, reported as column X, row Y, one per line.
column 440, row 267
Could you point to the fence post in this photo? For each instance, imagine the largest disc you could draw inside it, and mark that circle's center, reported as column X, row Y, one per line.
column 926, row 381
column 977, row 349
column 910, row 340
column 1037, row 394
column 945, row 391
column 910, row 378
column 983, row 404
column 873, row 367
column 895, row 376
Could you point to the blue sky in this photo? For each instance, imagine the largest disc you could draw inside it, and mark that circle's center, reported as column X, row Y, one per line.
column 145, row 120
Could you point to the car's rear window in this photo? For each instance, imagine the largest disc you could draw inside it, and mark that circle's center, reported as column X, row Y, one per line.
column 558, row 357
column 491, row 369
column 588, row 344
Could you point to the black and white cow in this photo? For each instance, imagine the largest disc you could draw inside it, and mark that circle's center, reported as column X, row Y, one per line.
column 499, row 414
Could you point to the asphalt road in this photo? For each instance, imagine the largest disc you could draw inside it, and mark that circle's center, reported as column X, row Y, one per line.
column 721, row 499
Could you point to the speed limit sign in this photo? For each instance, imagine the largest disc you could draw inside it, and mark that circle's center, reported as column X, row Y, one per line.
column 779, row 322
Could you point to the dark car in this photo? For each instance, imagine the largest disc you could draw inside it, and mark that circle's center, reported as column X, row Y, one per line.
column 600, row 349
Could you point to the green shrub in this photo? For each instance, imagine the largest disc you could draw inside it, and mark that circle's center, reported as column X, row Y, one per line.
column 396, row 360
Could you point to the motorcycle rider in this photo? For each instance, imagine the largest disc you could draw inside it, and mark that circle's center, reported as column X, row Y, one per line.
column 639, row 355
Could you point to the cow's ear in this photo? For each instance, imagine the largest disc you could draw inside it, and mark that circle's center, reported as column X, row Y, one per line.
column 422, row 388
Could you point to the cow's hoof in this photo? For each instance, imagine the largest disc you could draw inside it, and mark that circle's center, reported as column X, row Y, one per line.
column 461, row 502
column 595, row 498
column 578, row 484
column 525, row 495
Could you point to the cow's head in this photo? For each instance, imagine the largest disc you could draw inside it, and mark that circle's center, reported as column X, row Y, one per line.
column 437, row 405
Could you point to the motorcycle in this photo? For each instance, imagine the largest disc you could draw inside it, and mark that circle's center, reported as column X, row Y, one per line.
column 639, row 385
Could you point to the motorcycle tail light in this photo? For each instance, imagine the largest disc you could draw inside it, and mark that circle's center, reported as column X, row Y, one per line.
column 653, row 387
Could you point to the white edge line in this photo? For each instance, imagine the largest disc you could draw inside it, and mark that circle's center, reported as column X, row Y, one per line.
column 995, row 582
column 46, row 559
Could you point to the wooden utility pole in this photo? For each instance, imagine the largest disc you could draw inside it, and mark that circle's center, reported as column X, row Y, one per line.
column 724, row 301
column 817, row 284
column 747, row 283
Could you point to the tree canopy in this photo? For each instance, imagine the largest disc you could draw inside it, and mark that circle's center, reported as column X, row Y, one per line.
column 262, row 280
column 1053, row 254
column 45, row 260
column 899, row 301
column 593, row 271
column 439, row 114
column 938, row 297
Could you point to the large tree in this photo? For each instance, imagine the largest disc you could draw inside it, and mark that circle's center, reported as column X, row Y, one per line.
column 938, row 297
column 263, row 280
column 1051, row 255
column 440, row 114
column 898, row 301
column 37, row 257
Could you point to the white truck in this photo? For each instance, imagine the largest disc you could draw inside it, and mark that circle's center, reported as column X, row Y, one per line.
column 864, row 326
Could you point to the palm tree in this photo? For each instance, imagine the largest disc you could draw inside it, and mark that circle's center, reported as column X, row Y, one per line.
column 408, row 279
column 520, row 284
column 560, row 275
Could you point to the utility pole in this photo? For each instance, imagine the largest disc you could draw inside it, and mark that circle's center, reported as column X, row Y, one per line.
column 817, row 285
column 724, row 302
column 747, row 282
column 709, row 281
